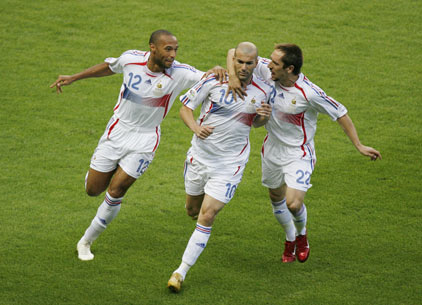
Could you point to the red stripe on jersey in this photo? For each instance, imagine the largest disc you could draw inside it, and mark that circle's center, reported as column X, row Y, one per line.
column 137, row 63
column 262, row 148
column 238, row 168
column 295, row 119
column 303, row 92
column 203, row 117
column 304, row 134
column 118, row 105
column 247, row 143
column 255, row 84
column 168, row 75
column 165, row 100
column 150, row 74
column 111, row 128
column 158, row 139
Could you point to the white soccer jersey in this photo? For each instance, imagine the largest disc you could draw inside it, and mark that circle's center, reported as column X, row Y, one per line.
column 229, row 142
column 145, row 96
column 294, row 117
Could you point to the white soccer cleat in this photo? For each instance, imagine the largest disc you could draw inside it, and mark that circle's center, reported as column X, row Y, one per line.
column 84, row 250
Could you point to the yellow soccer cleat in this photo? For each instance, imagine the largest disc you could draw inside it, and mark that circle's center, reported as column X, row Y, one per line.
column 175, row 282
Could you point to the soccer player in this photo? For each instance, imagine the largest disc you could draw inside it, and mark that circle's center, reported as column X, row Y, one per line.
column 288, row 154
column 151, row 82
column 220, row 147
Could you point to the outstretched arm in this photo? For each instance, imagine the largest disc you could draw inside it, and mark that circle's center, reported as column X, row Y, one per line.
column 95, row 71
column 201, row 132
column 350, row 130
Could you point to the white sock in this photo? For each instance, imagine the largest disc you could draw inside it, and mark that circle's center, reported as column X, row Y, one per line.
column 197, row 243
column 284, row 217
column 106, row 212
column 300, row 220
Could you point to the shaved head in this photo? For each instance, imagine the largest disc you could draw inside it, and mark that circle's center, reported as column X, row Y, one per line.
column 155, row 36
column 246, row 48
column 245, row 60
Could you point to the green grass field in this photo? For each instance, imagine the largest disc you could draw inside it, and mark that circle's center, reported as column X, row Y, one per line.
column 364, row 217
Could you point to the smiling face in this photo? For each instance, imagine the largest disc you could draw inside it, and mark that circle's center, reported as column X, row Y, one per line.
column 163, row 52
column 244, row 64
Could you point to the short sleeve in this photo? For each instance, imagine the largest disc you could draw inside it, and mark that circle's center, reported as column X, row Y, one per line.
column 325, row 104
column 189, row 75
column 197, row 94
column 261, row 70
column 116, row 64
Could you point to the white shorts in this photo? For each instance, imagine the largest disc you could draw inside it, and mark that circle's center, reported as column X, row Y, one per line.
column 130, row 148
column 286, row 165
column 219, row 183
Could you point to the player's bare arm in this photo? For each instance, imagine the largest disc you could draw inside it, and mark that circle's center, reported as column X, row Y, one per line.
column 235, row 86
column 263, row 115
column 349, row 128
column 94, row 71
column 201, row 132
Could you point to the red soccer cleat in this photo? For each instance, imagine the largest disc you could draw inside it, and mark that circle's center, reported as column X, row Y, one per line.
column 289, row 252
column 302, row 248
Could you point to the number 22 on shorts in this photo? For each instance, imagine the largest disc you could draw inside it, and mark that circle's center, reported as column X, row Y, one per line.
column 303, row 177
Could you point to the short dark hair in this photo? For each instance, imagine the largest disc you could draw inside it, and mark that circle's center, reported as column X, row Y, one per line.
column 156, row 35
column 292, row 56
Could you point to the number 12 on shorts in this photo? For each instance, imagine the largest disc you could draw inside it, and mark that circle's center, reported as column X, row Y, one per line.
column 230, row 190
column 143, row 165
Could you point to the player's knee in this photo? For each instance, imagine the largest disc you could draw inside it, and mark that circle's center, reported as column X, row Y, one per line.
column 117, row 191
column 192, row 212
column 294, row 205
column 207, row 218
column 92, row 191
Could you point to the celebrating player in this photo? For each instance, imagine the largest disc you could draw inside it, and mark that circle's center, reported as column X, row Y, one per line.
column 220, row 147
column 151, row 82
column 288, row 154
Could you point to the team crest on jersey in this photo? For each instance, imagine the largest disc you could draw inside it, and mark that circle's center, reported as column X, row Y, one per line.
column 191, row 94
column 293, row 101
column 253, row 101
column 158, row 91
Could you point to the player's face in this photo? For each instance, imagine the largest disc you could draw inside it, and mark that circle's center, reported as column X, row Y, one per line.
column 244, row 64
column 164, row 51
column 276, row 66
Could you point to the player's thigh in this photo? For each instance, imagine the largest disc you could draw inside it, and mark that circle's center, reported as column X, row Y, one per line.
column 277, row 194
column 294, row 199
column 97, row 182
column 209, row 210
column 120, row 183
column 193, row 205
column 222, row 183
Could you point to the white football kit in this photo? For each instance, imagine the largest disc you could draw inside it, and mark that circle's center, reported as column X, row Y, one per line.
column 288, row 154
column 215, row 165
column 133, row 133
